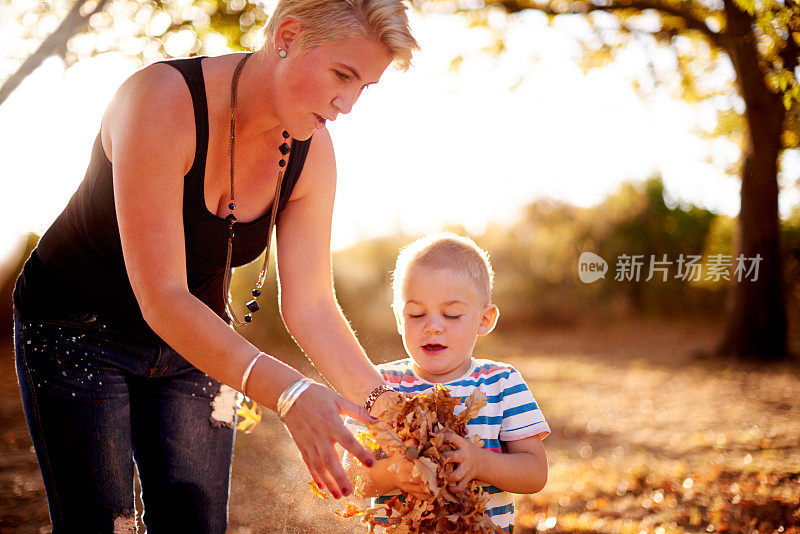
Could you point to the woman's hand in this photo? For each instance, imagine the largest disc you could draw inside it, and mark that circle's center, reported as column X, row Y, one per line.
column 384, row 400
column 401, row 470
column 315, row 425
column 469, row 458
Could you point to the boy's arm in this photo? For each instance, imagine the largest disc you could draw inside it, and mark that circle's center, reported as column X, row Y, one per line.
column 521, row 468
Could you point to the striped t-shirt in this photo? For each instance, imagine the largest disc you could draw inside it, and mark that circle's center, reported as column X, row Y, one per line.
column 510, row 414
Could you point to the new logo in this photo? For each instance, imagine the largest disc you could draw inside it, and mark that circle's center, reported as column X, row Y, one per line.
column 591, row 267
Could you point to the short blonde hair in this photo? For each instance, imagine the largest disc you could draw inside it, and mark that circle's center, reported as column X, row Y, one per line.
column 452, row 252
column 328, row 21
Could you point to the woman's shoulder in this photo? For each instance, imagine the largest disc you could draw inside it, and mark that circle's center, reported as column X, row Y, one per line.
column 157, row 84
column 319, row 167
column 155, row 99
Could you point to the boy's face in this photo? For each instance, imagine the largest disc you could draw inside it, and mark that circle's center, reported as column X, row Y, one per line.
column 440, row 319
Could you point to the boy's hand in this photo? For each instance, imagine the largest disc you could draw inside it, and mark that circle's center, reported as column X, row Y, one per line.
column 468, row 456
column 401, row 470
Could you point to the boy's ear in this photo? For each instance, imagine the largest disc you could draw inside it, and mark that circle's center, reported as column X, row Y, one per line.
column 398, row 319
column 488, row 319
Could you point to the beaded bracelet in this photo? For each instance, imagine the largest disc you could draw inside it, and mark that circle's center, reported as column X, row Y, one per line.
column 377, row 392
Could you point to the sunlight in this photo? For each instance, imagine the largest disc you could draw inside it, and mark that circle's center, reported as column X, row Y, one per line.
column 423, row 148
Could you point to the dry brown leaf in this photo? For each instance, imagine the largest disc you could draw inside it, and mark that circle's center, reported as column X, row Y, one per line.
column 415, row 427
column 351, row 510
column 316, row 491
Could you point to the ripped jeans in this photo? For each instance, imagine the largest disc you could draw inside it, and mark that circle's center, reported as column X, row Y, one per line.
column 95, row 402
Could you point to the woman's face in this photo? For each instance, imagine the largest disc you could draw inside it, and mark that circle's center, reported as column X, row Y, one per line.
column 324, row 81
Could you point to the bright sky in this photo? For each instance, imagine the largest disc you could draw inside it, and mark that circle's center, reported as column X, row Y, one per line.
column 422, row 148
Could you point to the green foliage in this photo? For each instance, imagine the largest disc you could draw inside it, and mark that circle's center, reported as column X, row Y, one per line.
column 536, row 265
column 641, row 223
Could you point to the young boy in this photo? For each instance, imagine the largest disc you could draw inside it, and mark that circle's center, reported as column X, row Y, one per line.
column 442, row 303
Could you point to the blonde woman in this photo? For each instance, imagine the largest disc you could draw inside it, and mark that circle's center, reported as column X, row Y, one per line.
column 123, row 336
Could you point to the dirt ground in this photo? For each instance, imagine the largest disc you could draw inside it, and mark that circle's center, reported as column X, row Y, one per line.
column 647, row 437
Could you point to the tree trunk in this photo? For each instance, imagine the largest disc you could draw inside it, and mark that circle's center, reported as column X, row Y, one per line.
column 756, row 317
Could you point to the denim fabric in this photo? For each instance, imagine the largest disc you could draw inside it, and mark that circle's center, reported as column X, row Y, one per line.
column 95, row 402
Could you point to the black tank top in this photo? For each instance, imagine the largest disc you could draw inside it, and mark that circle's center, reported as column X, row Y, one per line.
column 78, row 266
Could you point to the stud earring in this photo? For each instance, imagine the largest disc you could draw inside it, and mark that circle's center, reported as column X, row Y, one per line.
column 281, row 52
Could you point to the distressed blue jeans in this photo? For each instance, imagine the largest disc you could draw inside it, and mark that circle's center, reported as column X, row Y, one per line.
column 95, row 403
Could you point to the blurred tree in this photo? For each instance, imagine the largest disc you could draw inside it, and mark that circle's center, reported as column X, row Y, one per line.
column 638, row 221
column 147, row 30
column 761, row 38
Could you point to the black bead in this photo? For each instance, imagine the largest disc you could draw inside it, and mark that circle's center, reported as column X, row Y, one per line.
column 248, row 318
column 231, row 206
column 285, row 134
column 230, row 218
column 284, row 148
column 253, row 306
column 256, row 292
column 282, row 163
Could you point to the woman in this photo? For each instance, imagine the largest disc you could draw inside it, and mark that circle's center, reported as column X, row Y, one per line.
column 122, row 337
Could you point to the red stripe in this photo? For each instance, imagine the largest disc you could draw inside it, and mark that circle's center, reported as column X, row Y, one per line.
column 489, row 370
column 394, row 379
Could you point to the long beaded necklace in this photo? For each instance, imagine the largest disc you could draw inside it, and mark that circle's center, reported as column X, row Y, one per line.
column 252, row 305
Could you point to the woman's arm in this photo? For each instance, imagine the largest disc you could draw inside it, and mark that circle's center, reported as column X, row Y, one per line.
column 308, row 304
column 152, row 141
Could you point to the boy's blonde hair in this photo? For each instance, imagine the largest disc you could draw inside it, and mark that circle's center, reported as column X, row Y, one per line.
column 329, row 21
column 445, row 250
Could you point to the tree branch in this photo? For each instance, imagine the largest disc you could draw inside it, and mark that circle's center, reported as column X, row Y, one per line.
column 56, row 43
column 692, row 21
column 790, row 54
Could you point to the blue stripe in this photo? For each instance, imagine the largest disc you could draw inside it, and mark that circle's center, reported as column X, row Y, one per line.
column 490, row 399
column 485, row 420
column 500, row 510
column 526, row 426
column 411, row 389
column 467, row 382
column 463, row 383
column 522, row 408
column 516, row 388
column 493, row 399
column 490, row 443
column 397, row 373
column 481, row 380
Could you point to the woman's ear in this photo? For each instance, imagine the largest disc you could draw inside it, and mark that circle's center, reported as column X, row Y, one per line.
column 287, row 33
column 488, row 319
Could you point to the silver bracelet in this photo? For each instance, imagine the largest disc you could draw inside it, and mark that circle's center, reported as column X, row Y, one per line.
column 246, row 374
column 290, row 395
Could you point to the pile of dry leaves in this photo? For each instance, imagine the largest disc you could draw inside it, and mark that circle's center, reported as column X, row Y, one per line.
column 416, row 428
